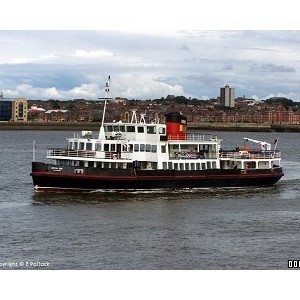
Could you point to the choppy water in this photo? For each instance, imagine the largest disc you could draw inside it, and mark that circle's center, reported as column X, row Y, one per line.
column 249, row 228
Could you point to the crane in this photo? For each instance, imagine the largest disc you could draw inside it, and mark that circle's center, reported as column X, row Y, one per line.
column 263, row 145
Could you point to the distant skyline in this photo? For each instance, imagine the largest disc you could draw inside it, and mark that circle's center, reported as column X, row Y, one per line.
column 149, row 63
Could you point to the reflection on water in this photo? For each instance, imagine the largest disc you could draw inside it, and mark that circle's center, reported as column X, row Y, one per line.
column 63, row 198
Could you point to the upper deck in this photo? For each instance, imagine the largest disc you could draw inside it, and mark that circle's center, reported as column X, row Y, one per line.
column 148, row 133
column 194, row 137
column 252, row 154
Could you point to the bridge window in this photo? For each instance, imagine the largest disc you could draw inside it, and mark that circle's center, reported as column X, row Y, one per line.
column 203, row 147
column 130, row 128
column 184, row 147
column 141, row 129
column 151, row 129
column 89, row 146
column 162, row 130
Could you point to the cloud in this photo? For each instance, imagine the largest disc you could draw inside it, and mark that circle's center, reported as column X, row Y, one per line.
column 145, row 86
column 149, row 64
column 92, row 53
column 184, row 47
column 227, row 67
column 271, row 68
column 289, row 95
column 88, row 91
column 51, row 93
column 20, row 60
column 48, row 56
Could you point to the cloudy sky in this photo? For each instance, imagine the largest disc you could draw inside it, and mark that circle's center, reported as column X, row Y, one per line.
column 149, row 63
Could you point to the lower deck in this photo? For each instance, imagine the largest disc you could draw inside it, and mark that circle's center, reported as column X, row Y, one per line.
column 66, row 177
column 183, row 165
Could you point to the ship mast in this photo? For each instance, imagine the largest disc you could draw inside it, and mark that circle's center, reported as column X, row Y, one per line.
column 107, row 89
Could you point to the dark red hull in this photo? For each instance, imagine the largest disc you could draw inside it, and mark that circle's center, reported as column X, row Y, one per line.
column 49, row 178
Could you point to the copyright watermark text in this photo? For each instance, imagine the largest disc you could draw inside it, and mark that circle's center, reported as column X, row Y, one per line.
column 24, row 264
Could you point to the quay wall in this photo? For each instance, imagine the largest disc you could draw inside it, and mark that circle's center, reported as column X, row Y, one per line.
column 94, row 126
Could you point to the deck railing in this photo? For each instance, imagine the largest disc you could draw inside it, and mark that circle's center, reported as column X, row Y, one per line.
column 192, row 155
column 193, row 137
column 70, row 153
column 67, row 153
column 251, row 154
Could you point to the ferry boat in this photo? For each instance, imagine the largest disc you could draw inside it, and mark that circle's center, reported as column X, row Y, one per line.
column 152, row 156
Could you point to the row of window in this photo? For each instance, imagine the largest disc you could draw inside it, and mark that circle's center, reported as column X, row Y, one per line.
column 189, row 166
column 131, row 128
column 166, row 165
column 80, row 146
column 200, row 147
column 116, row 147
column 111, row 147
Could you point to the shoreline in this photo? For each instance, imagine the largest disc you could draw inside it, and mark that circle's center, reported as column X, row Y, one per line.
column 244, row 127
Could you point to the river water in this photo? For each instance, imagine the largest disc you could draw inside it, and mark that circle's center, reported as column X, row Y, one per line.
column 212, row 229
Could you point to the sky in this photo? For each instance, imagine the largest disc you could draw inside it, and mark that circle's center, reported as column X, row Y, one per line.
column 149, row 62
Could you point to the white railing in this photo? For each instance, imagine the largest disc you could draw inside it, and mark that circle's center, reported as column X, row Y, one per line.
column 192, row 155
column 67, row 153
column 250, row 155
column 193, row 137
column 70, row 153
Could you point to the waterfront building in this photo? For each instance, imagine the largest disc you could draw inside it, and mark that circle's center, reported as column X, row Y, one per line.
column 19, row 110
column 227, row 95
column 14, row 110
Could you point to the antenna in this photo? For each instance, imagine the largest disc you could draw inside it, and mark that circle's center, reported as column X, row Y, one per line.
column 133, row 117
column 107, row 89
column 142, row 119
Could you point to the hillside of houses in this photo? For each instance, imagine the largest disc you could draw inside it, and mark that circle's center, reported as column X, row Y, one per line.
column 271, row 111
